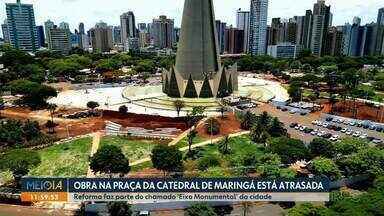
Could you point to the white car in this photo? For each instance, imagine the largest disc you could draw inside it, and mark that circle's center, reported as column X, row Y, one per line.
column 325, row 125
column 319, row 123
column 314, row 133
column 334, row 138
column 344, row 130
column 349, row 132
column 297, row 127
column 364, row 136
column 314, row 122
column 302, row 128
column 357, row 134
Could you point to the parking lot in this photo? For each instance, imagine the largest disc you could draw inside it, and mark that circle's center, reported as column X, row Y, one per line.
column 308, row 121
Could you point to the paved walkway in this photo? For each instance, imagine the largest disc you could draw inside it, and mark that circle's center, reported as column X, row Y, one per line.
column 94, row 148
column 193, row 146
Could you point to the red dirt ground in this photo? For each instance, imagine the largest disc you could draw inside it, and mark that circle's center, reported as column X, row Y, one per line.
column 228, row 125
column 364, row 111
column 73, row 128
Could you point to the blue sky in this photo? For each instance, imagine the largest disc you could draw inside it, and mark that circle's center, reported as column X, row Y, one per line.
column 92, row 11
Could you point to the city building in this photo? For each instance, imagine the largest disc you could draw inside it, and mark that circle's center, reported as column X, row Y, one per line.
column 81, row 29
column 334, row 42
column 258, row 27
column 101, row 38
column 307, row 30
column 198, row 72
column 300, row 24
column 116, row 35
column 128, row 28
column 48, row 25
column 21, row 26
column 162, row 32
column 380, row 33
column 220, row 28
column 242, row 23
column 322, row 19
column 234, row 41
column 284, row 50
column 59, row 40
column 40, row 36
column 4, row 29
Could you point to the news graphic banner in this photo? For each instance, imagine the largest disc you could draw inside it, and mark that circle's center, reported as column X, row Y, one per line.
column 173, row 190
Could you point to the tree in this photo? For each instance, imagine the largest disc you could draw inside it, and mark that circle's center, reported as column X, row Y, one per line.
column 34, row 94
column 109, row 160
column 259, row 134
column 223, row 210
column 31, row 130
column 309, row 209
column 92, row 105
column 222, row 110
column 247, row 120
column 144, row 76
column 325, row 166
column 347, row 146
column 2, row 105
column 166, row 158
column 208, row 161
column 191, row 136
column 212, row 126
column 119, row 209
column 277, row 129
column 178, row 104
column 295, row 91
column 51, row 126
column 268, row 166
column 52, row 109
column 290, row 150
column 223, row 146
column 367, row 161
column 322, row 147
column 200, row 209
column 19, row 162
column 123, row 110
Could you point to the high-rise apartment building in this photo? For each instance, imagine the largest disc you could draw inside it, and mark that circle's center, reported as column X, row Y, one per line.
column 117, row 35
column 220, row 28
column 4, row 29
column 128, row 28
column 258, row 27
column 380, row 32
column 234, row 41
column 322, row 20
column 40, row 36
column 48, row 25
column 81, row 29
column 242, row 23
column 59, row 40
column 21, row 26
column 162, row 32
column 101, row 37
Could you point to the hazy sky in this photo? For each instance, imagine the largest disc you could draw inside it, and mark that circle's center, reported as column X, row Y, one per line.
column 92, row 11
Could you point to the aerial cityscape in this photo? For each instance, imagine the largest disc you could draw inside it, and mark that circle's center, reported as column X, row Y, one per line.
column 197, row 116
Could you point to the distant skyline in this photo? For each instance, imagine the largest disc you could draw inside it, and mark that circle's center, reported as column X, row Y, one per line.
column 92, row 11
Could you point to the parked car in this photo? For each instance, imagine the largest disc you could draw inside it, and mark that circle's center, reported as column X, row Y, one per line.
column 293, row 125
column 329, row 119
column 349, row 132
column 327, row 135
column 357, row 134
column 344, row 130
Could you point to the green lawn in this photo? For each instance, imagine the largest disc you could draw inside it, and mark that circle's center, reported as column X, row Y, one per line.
column 133, row 149
column 184, row 141
column 64, row 160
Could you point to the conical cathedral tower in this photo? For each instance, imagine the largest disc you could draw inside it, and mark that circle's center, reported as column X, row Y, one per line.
column 198, row 71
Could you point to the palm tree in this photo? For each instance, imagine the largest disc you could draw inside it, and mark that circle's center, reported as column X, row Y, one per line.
column 222, row 109
column 191, row 136
column 2, row 106
column 224, row 145
column 52, row 109
column 178, row 104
